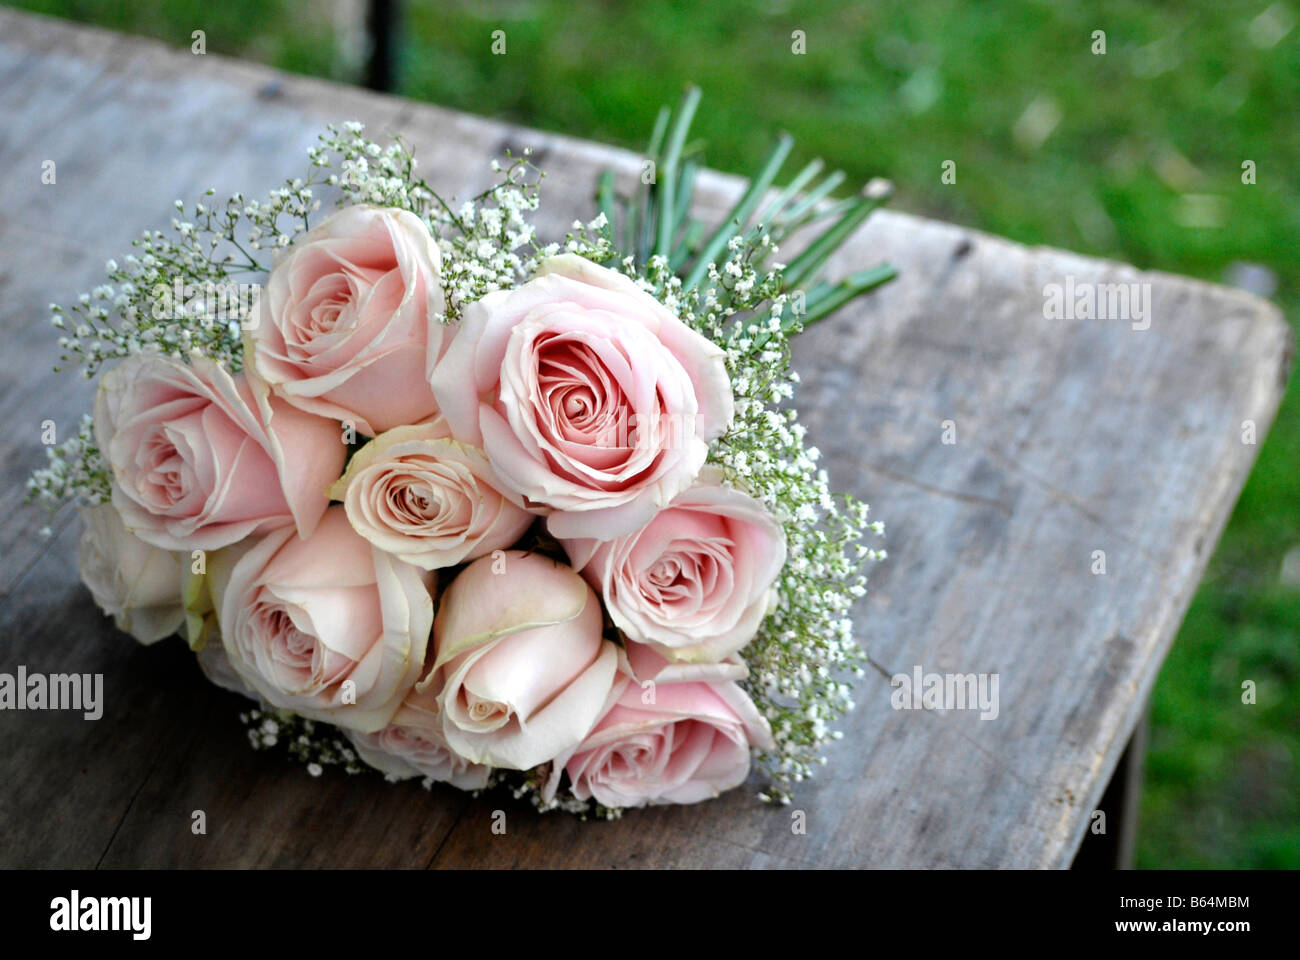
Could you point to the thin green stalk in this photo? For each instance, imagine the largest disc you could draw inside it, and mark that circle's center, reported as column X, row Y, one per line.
column 767, row 221
column 834, row 208
column 791, row 190
column 657, row 137
column 687, row 245
column 810, row 261
column 627, row 242
column 841, row 293
column 645, row 226
column 813, row 197
column 826, row 298
column 741, row 212
column 606, row 201
column 666, row 175
column 685, row 191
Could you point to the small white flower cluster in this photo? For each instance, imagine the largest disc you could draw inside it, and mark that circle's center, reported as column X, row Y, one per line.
column 381, row 176
column 74, row 469
column 317, row 746
column 155, row 299
column 529, row 787
column 805, row 650
column 487, row 242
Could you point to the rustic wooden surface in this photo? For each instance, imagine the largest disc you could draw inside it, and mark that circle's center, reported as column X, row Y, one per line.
column 1072, row 436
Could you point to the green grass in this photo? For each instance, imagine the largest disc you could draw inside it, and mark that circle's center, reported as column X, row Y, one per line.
column 1180, row 99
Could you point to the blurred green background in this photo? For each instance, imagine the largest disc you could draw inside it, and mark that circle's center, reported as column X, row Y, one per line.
column 1135, row 154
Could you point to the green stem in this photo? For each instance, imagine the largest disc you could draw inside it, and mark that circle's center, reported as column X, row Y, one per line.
column 790, row 192
column 685, row 191
column 742, row 211
column 606, row 202
column 826, row 298
column 689, row 243
column 657, row 137
column 834, row 297
column 666, row 175
column 813, row 196
column 815, row 255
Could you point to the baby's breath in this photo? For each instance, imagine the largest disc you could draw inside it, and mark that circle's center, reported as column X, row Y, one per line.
column 805, row 656
column 74, row 470
column 315, row 745
column 160, row 297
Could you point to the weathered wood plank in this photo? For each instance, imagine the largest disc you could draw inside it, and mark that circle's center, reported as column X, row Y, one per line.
column 1072, row 436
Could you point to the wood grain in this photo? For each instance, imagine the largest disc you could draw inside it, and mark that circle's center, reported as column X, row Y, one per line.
column 1071, row 436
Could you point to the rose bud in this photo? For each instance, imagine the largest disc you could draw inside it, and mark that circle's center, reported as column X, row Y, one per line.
column 329, row 627
column 697, row 580
column 347, row 326
column 522, row 670
column 593, row 402
column 201, row 459
column 674, row 733
column 136, row 584
column 427, row 499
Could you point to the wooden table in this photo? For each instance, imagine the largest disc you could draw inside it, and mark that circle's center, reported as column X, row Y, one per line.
column 1072, row 436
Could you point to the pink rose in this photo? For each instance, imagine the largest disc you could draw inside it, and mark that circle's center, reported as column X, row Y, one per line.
column 201, row 459
column 674, row 733
column 347, row 325
column 328, row 627
column 216, row 667
column 594, row 403
column 697, row 580
column 427, row 499
column 136, row 584
column 522, row 668
column 413, row 746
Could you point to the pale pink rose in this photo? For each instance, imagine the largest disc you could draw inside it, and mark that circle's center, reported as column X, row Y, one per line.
column 136, row 584
column 427, row 499
column 522, row 670
column 347, row 324
column 697, row 580
column 413, row 746
column 202, row 631
column 673, row 733
column 216, row 667
column 594, row 403
column 329, row 627
column 201, row 459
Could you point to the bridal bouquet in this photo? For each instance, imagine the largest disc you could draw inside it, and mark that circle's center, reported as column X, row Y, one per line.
column 452, row 503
